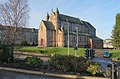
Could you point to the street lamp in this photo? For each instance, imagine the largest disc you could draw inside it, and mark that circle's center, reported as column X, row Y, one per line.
column 77, row 40
column 68, row 36
column 76, row 46
column 77, row 36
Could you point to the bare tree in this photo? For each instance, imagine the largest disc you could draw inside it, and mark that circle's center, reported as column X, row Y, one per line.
column 14, row 16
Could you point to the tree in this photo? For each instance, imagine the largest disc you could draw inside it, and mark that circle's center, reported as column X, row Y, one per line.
column 116, row 33
column 14, row 16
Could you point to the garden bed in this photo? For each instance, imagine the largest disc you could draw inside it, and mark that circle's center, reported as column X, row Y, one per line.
column 45, row 69
column 61, row 64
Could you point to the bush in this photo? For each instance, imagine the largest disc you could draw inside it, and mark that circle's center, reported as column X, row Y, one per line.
column 6, row 53
column 1, row 55
column 68, row 63
column 33, row 61
column 94, row 68
column 24, row 43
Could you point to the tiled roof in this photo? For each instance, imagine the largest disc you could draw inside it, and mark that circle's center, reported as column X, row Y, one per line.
column 48, row 25
column 69, row 18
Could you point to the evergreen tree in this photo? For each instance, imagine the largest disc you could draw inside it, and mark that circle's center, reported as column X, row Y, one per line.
column 116, row 33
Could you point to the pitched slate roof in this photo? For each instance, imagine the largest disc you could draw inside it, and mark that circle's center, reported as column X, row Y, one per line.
column 95, row 38
column 74, row 20
column 48, row 25
column 19, row 28
column 85, row 24
column 88, row 24
column 69, row 18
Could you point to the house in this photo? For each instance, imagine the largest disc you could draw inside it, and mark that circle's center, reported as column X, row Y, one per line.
column 30, row 35
column 107, row 43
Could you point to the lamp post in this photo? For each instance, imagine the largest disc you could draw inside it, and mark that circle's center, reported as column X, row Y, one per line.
column 77, row 35
column 77, row 41
column 76, row 46
column 68, row 36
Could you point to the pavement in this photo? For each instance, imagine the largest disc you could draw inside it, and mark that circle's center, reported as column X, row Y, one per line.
column 16, row 75
column 49, row 75
column 23, row 55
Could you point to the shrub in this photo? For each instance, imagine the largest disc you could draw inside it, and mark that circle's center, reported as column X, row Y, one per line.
column 68, row 63
column 33, row 61
column 1, row 55
column 94, row 68
column 6, row 53
column 24, row 43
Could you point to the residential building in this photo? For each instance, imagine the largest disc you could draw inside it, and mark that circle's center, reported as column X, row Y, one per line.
column 30, row 35
column 107, row 43
column 54, row 32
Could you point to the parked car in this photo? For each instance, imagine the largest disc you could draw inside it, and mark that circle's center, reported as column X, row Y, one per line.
column 106, row 54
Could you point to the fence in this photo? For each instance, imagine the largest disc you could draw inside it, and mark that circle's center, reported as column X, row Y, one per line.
column 113, row 71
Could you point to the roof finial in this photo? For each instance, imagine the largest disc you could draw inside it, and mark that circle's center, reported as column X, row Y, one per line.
column 47, row 14
column 47, row 17
column 52, row 10
column 57, row 10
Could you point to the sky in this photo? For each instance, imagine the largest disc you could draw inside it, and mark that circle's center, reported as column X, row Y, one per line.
column 100, row 13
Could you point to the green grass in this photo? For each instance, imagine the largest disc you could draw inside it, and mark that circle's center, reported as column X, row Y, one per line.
column 51, row 50
column 115, row 53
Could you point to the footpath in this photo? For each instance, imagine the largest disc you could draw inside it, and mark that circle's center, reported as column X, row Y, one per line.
column 67, row 76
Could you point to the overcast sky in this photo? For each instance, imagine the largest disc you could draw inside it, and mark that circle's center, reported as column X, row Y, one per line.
column 100, row 13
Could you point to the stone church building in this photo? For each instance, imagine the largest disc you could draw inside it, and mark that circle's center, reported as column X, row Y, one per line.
column 54, row 32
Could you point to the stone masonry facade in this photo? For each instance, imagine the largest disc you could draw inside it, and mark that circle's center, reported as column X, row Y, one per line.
column 54, row 32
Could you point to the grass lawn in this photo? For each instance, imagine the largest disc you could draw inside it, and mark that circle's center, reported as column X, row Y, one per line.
column 51, row 50
column 115, row 53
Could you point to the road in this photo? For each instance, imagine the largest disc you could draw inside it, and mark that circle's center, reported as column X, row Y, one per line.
column 103, row 61
column 99, row 58
column 15, row 75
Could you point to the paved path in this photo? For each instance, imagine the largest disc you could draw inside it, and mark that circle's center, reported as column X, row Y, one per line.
column 23, row 55
column 14, row 75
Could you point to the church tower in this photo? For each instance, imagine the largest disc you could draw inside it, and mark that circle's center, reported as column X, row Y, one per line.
column 54, row 19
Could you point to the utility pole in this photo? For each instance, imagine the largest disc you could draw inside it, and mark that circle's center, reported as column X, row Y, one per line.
column 68, row 36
